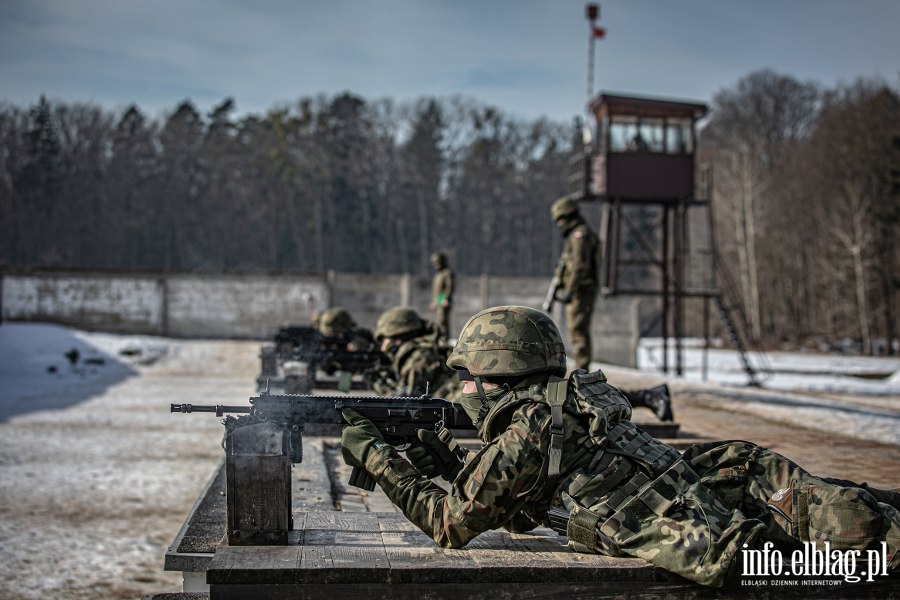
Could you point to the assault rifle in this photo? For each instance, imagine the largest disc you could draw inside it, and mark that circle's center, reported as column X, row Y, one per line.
column 330, row 354
column 553, row 292
column 555, row 284
column 397, row 418
column 291, row 337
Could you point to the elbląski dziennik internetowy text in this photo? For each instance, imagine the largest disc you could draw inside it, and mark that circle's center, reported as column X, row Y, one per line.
column 810, row 561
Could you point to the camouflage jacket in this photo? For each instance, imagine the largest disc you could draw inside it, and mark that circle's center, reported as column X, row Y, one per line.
column 442, row 286
column 418, row 365
column 579, row 263
column 625, row 493
column 506, row 484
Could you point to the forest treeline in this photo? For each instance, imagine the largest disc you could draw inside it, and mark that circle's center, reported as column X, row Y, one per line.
column 805, row 193
column 327, row 183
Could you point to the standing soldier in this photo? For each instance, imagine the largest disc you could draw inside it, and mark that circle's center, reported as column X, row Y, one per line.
column 578, row 274
column 441, row 293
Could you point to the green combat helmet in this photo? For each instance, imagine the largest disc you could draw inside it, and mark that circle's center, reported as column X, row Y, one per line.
column 335, row 321
column 509, row 341
column 398, row 322
column 564, row 207
column 439, row 259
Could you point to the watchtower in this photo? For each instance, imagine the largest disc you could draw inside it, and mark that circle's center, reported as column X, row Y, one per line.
column 645, row 149
column 656, row 227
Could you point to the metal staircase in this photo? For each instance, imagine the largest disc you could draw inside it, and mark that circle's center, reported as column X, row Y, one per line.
column 736, row 327
column 706, row 275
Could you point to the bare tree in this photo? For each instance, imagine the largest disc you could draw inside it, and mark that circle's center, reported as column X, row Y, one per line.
column 855, row 152
column 752, row 127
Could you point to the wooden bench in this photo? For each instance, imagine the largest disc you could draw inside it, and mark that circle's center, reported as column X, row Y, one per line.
column 334, row 554
column 382, row 555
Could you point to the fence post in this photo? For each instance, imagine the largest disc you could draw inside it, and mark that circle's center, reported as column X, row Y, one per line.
column 163, row 286
column 405, row 289
column 484, row 289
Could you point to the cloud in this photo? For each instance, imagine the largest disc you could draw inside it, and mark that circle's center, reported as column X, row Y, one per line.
column 528, row 57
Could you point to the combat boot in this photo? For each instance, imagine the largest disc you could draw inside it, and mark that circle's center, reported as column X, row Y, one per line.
column 656, row 399
column 661, row 403
column 891, row 497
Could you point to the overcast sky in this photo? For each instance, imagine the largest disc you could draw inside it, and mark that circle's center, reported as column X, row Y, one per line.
column 528, row 57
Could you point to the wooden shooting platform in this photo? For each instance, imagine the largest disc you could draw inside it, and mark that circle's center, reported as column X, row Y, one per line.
column 368, row 550
column 334, row 554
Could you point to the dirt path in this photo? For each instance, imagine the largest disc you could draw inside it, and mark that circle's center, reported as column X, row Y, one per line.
column 824, row 454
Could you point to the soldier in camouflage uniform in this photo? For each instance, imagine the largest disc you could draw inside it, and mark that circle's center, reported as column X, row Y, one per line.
column 441, row 294
column 578, row 273
column 418, row 360
column 336, row 322
column 562, row 452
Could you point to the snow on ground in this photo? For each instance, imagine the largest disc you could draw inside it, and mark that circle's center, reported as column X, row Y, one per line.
column 37, row 371
column 837, row 373
column 96, row 475
column 857, row 396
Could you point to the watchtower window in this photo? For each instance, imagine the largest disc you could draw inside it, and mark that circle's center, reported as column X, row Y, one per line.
column 629, row 133
column 653, row 135
column 679, row 136
column 622, row 130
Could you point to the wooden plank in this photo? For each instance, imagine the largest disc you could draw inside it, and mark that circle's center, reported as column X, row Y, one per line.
column 354, row 547
column 311, row 484
column 258, row 483
column 413, row 556
column 386, row 548
column 340, row 557
column 612, row 590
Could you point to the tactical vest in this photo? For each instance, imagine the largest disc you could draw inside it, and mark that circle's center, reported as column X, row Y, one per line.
column 608, row 413
column 609, row 426
column 611, row 478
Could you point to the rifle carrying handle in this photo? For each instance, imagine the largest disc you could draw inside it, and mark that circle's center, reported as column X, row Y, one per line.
column 361, row 479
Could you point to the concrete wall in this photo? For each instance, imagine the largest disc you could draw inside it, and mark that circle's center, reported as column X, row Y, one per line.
column 254, row 306
column 130, row 304
column 244, row 306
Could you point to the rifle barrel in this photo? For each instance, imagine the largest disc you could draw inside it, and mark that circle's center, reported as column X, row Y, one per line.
column 219, row 409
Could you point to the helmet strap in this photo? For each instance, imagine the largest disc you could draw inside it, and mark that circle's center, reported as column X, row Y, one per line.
column 480, row 389
column 486, row 405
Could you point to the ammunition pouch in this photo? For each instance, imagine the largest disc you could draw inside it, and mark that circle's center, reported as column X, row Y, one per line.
column 629, row 440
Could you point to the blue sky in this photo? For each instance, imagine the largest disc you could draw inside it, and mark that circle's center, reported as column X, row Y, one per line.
column 528, row 57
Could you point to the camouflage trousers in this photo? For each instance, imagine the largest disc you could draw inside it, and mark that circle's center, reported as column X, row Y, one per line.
column 579, row 311
column 696, row 517
column 442, row 321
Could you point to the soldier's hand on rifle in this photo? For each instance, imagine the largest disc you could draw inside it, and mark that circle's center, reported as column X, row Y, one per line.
column 564, row 296
column 357, row 437
column 434, row 457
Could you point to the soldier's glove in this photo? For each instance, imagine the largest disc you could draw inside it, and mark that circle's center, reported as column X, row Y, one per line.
column 357, row 437
column 564, row 296
column 434, row 457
